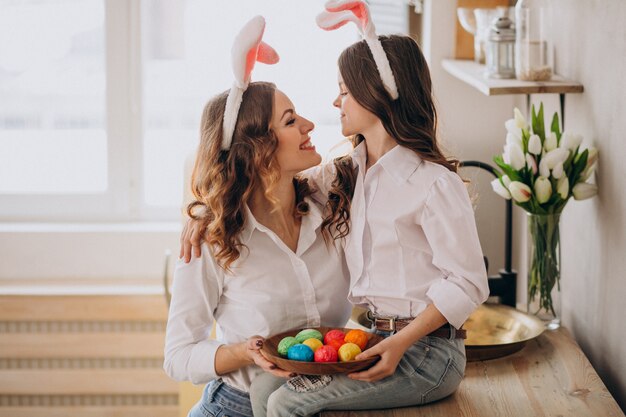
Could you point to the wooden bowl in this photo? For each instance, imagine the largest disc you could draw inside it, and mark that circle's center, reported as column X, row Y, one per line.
column 270, row 351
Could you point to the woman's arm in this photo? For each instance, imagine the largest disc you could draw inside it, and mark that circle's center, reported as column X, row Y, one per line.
column 189, row 353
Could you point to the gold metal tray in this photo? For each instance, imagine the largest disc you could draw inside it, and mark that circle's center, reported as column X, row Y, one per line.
column 493, row 330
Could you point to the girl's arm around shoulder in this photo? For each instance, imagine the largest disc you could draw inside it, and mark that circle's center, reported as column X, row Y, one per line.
column 320, row 179
column 450, row 228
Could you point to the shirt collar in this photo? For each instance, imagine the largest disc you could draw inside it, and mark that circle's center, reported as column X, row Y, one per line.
column 310, row 222
column 399, row 162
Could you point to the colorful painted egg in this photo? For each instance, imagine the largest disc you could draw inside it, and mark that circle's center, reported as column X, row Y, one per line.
column 358, row 337
column 326, row 354
column 300, row 352
column 336, row 344
column 314, row 344
column 347, row 352
column 309, row 334
column 285, row 344
column 334, row 335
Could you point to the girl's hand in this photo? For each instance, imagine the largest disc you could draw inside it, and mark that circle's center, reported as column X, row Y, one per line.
column 390, row 355
column 191, row 240
column 253, row 350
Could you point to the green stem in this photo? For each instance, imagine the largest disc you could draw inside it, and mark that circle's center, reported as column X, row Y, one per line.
column 544, row 271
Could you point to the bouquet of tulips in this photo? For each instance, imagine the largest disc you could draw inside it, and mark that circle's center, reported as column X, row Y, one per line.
column 540, row 170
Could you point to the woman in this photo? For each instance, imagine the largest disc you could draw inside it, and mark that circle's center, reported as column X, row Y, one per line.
column 265, row 268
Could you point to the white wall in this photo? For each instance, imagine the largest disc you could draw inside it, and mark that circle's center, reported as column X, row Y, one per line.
column 590, row 48
column 471, row 125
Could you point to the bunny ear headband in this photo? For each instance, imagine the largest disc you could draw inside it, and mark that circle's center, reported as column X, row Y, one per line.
column 247, row 49
column 340, row 12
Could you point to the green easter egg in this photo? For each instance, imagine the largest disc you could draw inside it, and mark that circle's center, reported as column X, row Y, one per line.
column 285, row 344
column 309, row 334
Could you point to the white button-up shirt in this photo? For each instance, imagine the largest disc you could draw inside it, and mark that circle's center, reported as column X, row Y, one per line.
column 270, row 290
column 413, row 238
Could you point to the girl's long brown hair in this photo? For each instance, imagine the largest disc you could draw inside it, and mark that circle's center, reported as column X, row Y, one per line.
column 411, row 120
column 222, row 182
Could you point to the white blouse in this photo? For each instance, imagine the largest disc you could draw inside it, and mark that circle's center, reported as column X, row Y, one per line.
column 413, row 238
column 270, row 290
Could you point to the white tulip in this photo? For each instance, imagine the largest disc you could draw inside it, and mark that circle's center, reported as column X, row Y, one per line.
column 555, row 156
column 544, row 171
column 551, row 142
column 520, row 191
column 562, row 187
column 511, row 127
column 584, row 190
column 557, row 171
column 532, row 164
column 500, row 189
column 506, row 180
column 543, row 189
column 592, row 156
column 519, row 119
column 514, row 156
column 570, row 141
column 587, row 172
column 513, row 138
column 534, row 145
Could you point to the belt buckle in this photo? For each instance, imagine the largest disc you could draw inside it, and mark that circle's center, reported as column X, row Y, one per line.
column 391, row 319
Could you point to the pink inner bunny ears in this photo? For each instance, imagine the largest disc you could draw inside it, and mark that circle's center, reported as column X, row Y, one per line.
column 340, row 12
column 248, row 48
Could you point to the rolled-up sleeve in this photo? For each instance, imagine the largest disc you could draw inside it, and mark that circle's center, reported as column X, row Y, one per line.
column 450, row 228
column 189, row 354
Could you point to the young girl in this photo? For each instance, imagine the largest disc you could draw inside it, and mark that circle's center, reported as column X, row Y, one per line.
column 412, row 248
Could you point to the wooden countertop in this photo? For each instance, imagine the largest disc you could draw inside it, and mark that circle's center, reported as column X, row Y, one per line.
column 550, row 376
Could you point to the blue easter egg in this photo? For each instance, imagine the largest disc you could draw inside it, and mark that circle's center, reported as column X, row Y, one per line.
column 300, row 352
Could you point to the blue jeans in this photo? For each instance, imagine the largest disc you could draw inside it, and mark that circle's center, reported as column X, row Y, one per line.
column 220, row 399
column 431, row 369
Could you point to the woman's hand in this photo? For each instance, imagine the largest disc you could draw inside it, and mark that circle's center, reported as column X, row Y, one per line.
column 253, row 350
column 191, row 240
column 390, row 354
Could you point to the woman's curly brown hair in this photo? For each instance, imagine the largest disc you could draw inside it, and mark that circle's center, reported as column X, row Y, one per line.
column 222, row 182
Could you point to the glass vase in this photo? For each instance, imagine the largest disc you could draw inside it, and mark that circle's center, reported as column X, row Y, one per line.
column 544, row 269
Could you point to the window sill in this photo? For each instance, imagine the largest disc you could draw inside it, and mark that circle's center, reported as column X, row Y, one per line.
column 86, row 250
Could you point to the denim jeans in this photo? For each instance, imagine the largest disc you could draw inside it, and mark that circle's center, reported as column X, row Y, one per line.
column 431, row 369
column 221, row 400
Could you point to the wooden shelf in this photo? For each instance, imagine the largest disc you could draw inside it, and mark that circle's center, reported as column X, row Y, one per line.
column 473, row 74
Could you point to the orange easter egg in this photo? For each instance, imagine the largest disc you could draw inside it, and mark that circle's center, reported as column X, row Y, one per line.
column 358, row 337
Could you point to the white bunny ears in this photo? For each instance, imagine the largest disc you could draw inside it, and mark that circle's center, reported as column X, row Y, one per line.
column 340, row 12
column 248, row 48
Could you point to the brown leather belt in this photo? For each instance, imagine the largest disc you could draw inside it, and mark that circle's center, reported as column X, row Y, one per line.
column 391, row 324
